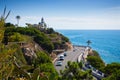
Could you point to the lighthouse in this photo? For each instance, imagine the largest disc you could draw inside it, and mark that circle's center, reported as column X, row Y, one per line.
column 42, row 24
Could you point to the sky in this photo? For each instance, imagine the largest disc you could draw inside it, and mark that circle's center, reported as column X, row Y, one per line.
column 65, row 14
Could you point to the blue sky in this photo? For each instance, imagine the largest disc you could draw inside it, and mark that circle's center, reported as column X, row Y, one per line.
column 66, row 14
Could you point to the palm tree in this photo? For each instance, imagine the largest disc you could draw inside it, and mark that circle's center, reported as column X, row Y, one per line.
column 18, row 18
column 3, row 16
column 88, row 42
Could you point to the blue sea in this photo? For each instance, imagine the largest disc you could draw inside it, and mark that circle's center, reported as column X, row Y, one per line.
column 106, row 42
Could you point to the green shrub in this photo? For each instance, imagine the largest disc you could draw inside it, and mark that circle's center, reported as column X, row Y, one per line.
column 38, row 36
column 95, row 62
column 65, row 39
column 50, row 31
column 110, row 68
column 95, row 53
column 47, row 67
column 16, row 37
column 53, row 35
column 41, row 58
column 44, row 42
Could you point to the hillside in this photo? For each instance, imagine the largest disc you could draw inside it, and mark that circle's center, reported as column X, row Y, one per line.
column 25, row 52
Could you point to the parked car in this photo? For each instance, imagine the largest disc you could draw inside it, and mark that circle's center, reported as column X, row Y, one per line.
column 74, row 50
column 99, row 72
column 61, row 57
column 65, row 54
column 59, row 63
column 88, row 66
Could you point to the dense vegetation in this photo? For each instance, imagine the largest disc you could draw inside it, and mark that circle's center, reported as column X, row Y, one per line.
column 13, row 62
column 13, row 65
column 73, row 71
column 38, row 36
column 95, row 60
column 111, row 71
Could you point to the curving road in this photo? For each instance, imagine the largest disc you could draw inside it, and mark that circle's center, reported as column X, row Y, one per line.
column 71, row 56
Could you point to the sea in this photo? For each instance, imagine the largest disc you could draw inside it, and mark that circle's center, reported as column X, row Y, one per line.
column 105, row 42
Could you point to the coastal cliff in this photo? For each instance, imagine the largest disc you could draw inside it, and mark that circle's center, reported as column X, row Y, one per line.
column 27, row 51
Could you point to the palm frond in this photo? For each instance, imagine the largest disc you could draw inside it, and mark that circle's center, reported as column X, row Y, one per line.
column 7, row 15
column 4, row 12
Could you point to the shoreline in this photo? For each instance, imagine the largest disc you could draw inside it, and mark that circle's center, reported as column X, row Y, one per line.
column 88, row 52
column 85, row 56
column 108, row 52
column 94, row 50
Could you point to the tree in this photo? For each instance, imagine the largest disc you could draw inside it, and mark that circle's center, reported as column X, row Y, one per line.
column 111, row 68
column 96, row 62
column 18, row 18
column 114, row 76
column 17, row 37
column 9, row 25
column 88, row 42
column 74, row 72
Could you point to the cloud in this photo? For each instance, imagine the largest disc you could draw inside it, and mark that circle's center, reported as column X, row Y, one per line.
column 84, row 23
column 91, row 22
column 108, row 18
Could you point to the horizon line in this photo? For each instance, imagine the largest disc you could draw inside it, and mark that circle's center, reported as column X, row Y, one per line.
column 86, row 29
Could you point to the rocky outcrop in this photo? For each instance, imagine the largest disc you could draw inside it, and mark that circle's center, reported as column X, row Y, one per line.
column 29, row 54
column 29, row 51
column 69, row 46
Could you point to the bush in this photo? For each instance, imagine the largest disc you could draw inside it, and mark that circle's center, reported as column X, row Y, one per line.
column 50, row 31
column 53, row 35
column 39, row 37
column 57, row 45
column 9, row 25
column 47, row 67
column 95, row 62
column 112, row 71
column 44, row 42
column 42, row 58
column 16, row 37
column 95, row 53
column 110, row 68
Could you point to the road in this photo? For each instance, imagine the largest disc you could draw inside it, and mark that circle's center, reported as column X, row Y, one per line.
column 71, row 56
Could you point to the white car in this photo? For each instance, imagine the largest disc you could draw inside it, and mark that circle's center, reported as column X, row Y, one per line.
column 61, row 57
column 59, row 63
